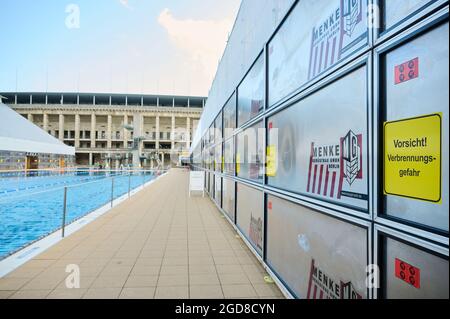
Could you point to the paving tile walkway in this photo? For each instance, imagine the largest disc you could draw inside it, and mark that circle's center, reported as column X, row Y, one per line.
column 158, row 244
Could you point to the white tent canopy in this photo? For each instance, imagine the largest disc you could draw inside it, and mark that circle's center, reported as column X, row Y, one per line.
column 20, row 135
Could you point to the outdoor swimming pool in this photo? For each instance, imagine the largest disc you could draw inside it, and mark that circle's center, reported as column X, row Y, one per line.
column 31, row 206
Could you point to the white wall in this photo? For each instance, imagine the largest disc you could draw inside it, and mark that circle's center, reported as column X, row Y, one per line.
column 255, row 23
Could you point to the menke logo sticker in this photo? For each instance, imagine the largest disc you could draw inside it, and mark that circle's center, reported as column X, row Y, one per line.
column 335, row 168
column 323, row 286
column 412, row 158
column 340, row 30
column 256, row 231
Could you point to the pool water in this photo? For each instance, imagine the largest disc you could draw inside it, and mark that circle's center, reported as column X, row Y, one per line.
column 32, row 207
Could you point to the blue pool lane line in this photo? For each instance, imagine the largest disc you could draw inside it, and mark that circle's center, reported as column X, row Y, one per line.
column 54, row 184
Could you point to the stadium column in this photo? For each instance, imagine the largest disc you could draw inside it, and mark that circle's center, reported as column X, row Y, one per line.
column 77, row 130
column 142, row 134
column 172, row 134
column 61, row 127
column 157, row 132
column 109, row 132
column 137, row 133
column 30, row 117
column 141, row 125
column 188, row 132
column 125, row 131
column 45, row 122
column 93, row 130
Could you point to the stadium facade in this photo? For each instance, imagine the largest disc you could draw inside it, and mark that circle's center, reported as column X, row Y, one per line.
column 325, row 144
column 106, row 129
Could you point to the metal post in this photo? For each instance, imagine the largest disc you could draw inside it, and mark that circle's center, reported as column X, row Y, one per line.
column 129, row 184
column 143, row 179
column 64, row 211
column 112, row 191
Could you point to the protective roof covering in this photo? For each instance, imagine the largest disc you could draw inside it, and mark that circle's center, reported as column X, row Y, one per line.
column 20, row 135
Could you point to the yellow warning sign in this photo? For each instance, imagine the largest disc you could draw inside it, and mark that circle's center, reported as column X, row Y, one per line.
column 223, row 164
column 412, row 158
column 271, row 160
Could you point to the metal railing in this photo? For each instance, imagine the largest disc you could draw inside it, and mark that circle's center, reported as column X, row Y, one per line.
column 60, row 200
column 112, row 197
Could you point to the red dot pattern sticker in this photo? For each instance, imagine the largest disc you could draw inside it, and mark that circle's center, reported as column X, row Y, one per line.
column 408, row 273
column 407, row 71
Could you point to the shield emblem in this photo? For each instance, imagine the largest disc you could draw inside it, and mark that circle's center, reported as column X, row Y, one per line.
column 351, row 15
column 351, row 158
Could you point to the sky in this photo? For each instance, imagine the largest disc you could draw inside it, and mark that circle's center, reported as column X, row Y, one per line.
column 113, row 46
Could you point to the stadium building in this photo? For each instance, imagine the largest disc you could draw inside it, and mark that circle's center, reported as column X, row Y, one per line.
column 106, row 129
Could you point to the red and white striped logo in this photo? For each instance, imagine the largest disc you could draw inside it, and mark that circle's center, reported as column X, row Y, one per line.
column 331, row 165
column 331, row 34
column 322, row 286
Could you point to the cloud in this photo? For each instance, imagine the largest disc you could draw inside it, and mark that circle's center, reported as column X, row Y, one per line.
column 202, row 40
column 125, row 3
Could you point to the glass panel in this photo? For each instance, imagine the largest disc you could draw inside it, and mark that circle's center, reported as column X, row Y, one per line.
column 218, row 126
column 15, row 161
column 229, row 156
column 321, row 143
column 250, row 215
column 394, row 11
column 211, row 134
column 204, row 159
column 412, row 273
column 317, row 256
column 218, row 190
column 211, row 156
column 218, row 158
column 315, row 36
column 211, row 185
column 251, row 92
column 426, row 93
column 250, row 152
column 229, row 116
column 228, row 197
